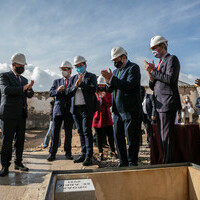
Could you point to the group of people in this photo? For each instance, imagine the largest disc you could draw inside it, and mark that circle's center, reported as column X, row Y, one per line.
column 84, row 100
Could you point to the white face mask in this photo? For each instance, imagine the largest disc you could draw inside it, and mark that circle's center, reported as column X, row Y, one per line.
column 65, row 73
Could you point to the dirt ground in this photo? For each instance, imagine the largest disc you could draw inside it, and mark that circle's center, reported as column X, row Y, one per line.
column 34, row 140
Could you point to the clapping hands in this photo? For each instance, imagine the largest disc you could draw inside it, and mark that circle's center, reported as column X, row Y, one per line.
column 107, row 75
column 29, row 85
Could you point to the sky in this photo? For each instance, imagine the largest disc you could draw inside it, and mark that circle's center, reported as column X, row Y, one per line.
column 51, row 31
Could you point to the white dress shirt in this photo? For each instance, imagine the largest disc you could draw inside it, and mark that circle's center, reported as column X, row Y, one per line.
column 79, row 98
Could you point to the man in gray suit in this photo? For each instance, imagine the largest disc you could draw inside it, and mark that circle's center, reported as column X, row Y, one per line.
column 13, row 112
column 164, row 83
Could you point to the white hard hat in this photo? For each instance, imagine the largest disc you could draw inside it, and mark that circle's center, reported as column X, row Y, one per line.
column 117, row 51
column 79, row 59
column 18, row 58
column 158, row 40
column 101, row 80
column 66, row 64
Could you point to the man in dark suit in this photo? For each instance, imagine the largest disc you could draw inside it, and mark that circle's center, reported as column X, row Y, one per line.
column 148, row 111
column 61, row 112
column 164, row 83
column 13, row 112
column 82, row 88
column 124, row 82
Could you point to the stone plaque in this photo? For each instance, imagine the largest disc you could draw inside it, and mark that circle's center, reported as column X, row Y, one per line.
column 75, row 189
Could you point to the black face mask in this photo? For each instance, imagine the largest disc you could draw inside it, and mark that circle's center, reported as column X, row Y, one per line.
column 19, row 70
column 118, row 64
column 101, row 89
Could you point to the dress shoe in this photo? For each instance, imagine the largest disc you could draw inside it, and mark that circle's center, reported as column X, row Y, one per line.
column 87, row 161
column 113, row 154
column 21, row 167
column 68, row 157
column 79, row 159
column 51, row 158
column 101, row 158
column 122, row 165
column 4, row 171
column 132, row 164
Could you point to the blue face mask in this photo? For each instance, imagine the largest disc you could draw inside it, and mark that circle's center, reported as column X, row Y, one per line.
column 80, row 69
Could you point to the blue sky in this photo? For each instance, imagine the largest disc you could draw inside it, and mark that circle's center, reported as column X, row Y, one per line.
column 50, row 31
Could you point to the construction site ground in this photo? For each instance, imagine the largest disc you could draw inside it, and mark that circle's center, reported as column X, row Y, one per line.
column 33, row 184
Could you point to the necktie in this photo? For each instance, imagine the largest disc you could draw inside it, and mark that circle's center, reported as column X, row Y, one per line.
column 159, row 64
column 66, row 83
column 19, row 80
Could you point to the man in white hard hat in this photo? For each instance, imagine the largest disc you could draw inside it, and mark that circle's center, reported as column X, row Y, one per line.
column 82, row 88
column 61, row 112
column 164, row 83
column 13, row 112
column 124, row 83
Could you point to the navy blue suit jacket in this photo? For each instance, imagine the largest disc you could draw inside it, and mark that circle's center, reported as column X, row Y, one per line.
column 62, row 101
column 13, row 97
column 89, row 87
column 165, row 85
column 126, row 90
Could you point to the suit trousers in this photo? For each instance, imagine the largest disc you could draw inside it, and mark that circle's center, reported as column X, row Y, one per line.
column 131, row 129
column 83, row 120
column 55, row 134
column 166, row 129
column 12, row 129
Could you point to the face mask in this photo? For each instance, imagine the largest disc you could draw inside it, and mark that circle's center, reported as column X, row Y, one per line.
column 65, row 73
column 156, row 53
column 19, row 70
column 101, row 89
column 118, row 64
column 186, row 100
column 80, row 69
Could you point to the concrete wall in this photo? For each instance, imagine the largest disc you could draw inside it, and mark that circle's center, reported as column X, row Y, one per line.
column 38, row 111
column 39, row 106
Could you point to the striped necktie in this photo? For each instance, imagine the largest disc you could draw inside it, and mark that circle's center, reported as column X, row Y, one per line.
column 66, row 83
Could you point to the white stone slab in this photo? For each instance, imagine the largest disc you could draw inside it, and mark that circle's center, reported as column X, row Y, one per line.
column 82, row 189
column 74, row 185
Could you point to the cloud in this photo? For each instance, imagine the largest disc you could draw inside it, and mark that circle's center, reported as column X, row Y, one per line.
column 4, row 67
